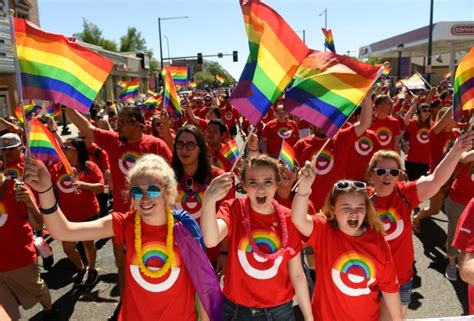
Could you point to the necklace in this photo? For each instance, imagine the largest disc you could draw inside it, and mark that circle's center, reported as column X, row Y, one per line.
column 169, row 247
column 284, row 231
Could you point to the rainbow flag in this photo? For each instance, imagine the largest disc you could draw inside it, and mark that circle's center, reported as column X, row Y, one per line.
column 276, row 52
column 56, row 69
column 179, row 74
column 53, row 109
column 130, row 89
column 170, row 97
column 151, row 92
column 220, row 79
column 327, row 88
column 30, row 110
column 386, row 71
column 150, row 103
column 399, row 84
column 192, row 84
column 463, row 86
column 414, row 82
column 287, row 154
column 447, row 75
column 43, row 145
column 230, row 151
column 328, row 40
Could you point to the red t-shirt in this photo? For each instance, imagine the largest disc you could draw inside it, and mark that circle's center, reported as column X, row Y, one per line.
column 15, row 170
column 275, row 132
column 395, row 214
column 352, row 270
column 250, row 280
column 440, row 144
column 268, row 116
column 462, row 189
column 230, row 116
column 386, row 130
column 99, row 156
column 123, row 156
column 78, row 205
column 419, row 142
column 464, row 240
column 16, row 236
column 171, row 297
column 286, row 202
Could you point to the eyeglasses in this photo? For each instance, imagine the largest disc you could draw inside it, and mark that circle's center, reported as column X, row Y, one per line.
column 425, row 110
column 345, row 185
column 383, row 171
column 189, row 145
column 137, row 193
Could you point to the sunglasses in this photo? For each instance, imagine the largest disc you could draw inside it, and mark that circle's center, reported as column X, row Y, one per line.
column 425, row 110
column 383, row 171
column 189, row 145
column 347, row 185
column 137, row 193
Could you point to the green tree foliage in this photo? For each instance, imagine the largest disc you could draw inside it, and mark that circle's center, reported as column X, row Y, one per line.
column 204, row 77
column 215, row 68
column 132, row 41
column 93, row 35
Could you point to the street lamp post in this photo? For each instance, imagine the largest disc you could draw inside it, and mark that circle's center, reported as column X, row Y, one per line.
column 400, row 48
column 167, row 45
column 430, row 44
column 304, row 34
column 325, row 21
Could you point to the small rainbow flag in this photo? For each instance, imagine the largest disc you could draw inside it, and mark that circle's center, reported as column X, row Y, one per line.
column 130, row 89
column 30, row 110
column 276, row 52
column 178, row 74
column 414, row 82
column 328, row 40
column 150, row 92
column 43, row 145
column 386, row 71
column 170, row 97
column 54, row 109
column 230, row 151
column 447, row 75
column 287, row 154
column 463, row 86
column 192, row 84
column 56, row 69
column 398, row 84
column 220, row 79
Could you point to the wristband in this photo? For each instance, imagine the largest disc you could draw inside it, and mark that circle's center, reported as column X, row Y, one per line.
column 305, row 194
column 223, row 253
column 50, row 210
column 48, row 189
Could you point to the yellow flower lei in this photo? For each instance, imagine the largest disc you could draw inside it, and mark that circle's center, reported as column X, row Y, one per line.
column 169, row 247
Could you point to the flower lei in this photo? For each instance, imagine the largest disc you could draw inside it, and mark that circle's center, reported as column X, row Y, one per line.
column 169, row 247
column 284, row 231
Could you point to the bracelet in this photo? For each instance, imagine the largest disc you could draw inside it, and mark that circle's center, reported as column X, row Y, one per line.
column 50, row 210
column 48, row 189
column 223, row 253
column 305, row 194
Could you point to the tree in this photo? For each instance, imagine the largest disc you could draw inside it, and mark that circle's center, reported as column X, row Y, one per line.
column 92, row 34
column 216, row 69
column 132, row 41
column 204, row 77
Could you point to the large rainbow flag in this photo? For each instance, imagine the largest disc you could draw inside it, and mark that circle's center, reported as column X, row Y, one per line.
column 56, row 69
column 463, row 86
column 43, row 145
column 171, row 98
column 129, row 89
column 329, row 40
column 414, row 82
column 328, row 88
column 179, row 74
column 276, row 52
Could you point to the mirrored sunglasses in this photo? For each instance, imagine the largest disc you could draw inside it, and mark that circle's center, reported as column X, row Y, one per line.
column 153, row 192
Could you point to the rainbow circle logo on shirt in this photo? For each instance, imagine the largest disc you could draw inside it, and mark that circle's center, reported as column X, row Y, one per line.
column 423, row 136
column 228, row 115
column 448, row 145
column 324, row 162
column 253, row 264
column 392, row 223
column 154, row 256
column 284, row 133
column 353, row 273
column 65, row 184
column 364, row 146
column 3, row 214
column 12, row 172
column 192, row 204
column 385, row 135
column 127, row 161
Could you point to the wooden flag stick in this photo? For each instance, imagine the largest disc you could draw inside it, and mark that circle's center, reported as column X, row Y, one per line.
column 242, row 150
column 423, row 79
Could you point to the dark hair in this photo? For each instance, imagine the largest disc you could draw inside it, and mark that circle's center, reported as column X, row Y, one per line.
column 420, row 122
column 133, row 113
column 443, row 94
column 204, row 159
column 216, row 111
column 82, row 154
column 380, row 99
column 435, row 103
column 219, row 122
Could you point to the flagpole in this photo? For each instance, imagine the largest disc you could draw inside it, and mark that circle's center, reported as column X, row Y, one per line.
column 426, row 82
column 241, row 151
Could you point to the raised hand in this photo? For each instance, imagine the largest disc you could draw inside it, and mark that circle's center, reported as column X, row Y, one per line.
column 306, row 178
column 36, row 175
column 219, row 187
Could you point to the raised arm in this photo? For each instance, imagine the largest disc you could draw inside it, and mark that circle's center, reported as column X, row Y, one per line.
column 411, row 111
column 38, row 177
column 366, row 116
column 299, row 207
column 441, row 124
column 427, row 186
column 81, row 122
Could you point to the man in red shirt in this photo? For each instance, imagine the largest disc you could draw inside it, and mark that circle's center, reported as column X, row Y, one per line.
column 386, row 127
column 13, row 155
column 278, row 129
column 215, row 134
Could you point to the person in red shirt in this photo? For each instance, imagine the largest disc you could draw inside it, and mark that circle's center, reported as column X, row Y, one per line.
column 386, row 127
column 395, row 200
column 160, row 127
column 278, row 129
column 231, row 117
column 264, row 268
column 353, row 261
column 77, row 198
column 464, row 241
column 12, row 155
column 159, row 284
column 215, row 134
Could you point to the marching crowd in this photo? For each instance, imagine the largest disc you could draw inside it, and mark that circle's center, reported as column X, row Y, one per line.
column 194, row 236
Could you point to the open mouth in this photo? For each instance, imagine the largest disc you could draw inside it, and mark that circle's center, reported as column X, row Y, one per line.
column 386, row 183
column 145, row 208
column 261, row 200
column 353, row 223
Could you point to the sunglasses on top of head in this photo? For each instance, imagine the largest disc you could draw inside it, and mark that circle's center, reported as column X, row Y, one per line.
column 152, row 191
column 383, row 171
column 346, row 185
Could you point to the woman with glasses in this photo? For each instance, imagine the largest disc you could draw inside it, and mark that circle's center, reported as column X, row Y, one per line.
column 394, row 201
column 418, row 132
column 353, row 261
column 78, row 201
column 162, row 276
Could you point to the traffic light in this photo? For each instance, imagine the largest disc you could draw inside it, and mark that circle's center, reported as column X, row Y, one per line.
column 199, row 55
column 235, row 56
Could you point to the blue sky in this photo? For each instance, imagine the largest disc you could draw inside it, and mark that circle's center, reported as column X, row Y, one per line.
column 217, row 25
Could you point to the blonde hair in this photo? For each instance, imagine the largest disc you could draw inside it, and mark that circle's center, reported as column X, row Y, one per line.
column 371, row 219
column 382, row 155
column 156, row 167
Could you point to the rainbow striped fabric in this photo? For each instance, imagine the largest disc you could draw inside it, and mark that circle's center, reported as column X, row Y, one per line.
column 230, row 151
column 151, row 92
column 414, row 82
column 179, row 74
column 30, row 110
column 220, row 79
column 328, row 40
column 192, row 84
column 53, row 109
column 276, row 51
column 129, row 89
column 463, row 86
column 328, row 88
column 386, row 71
column 171, row 98
column 43, row 145
column 287, row 154
column 56, row 69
